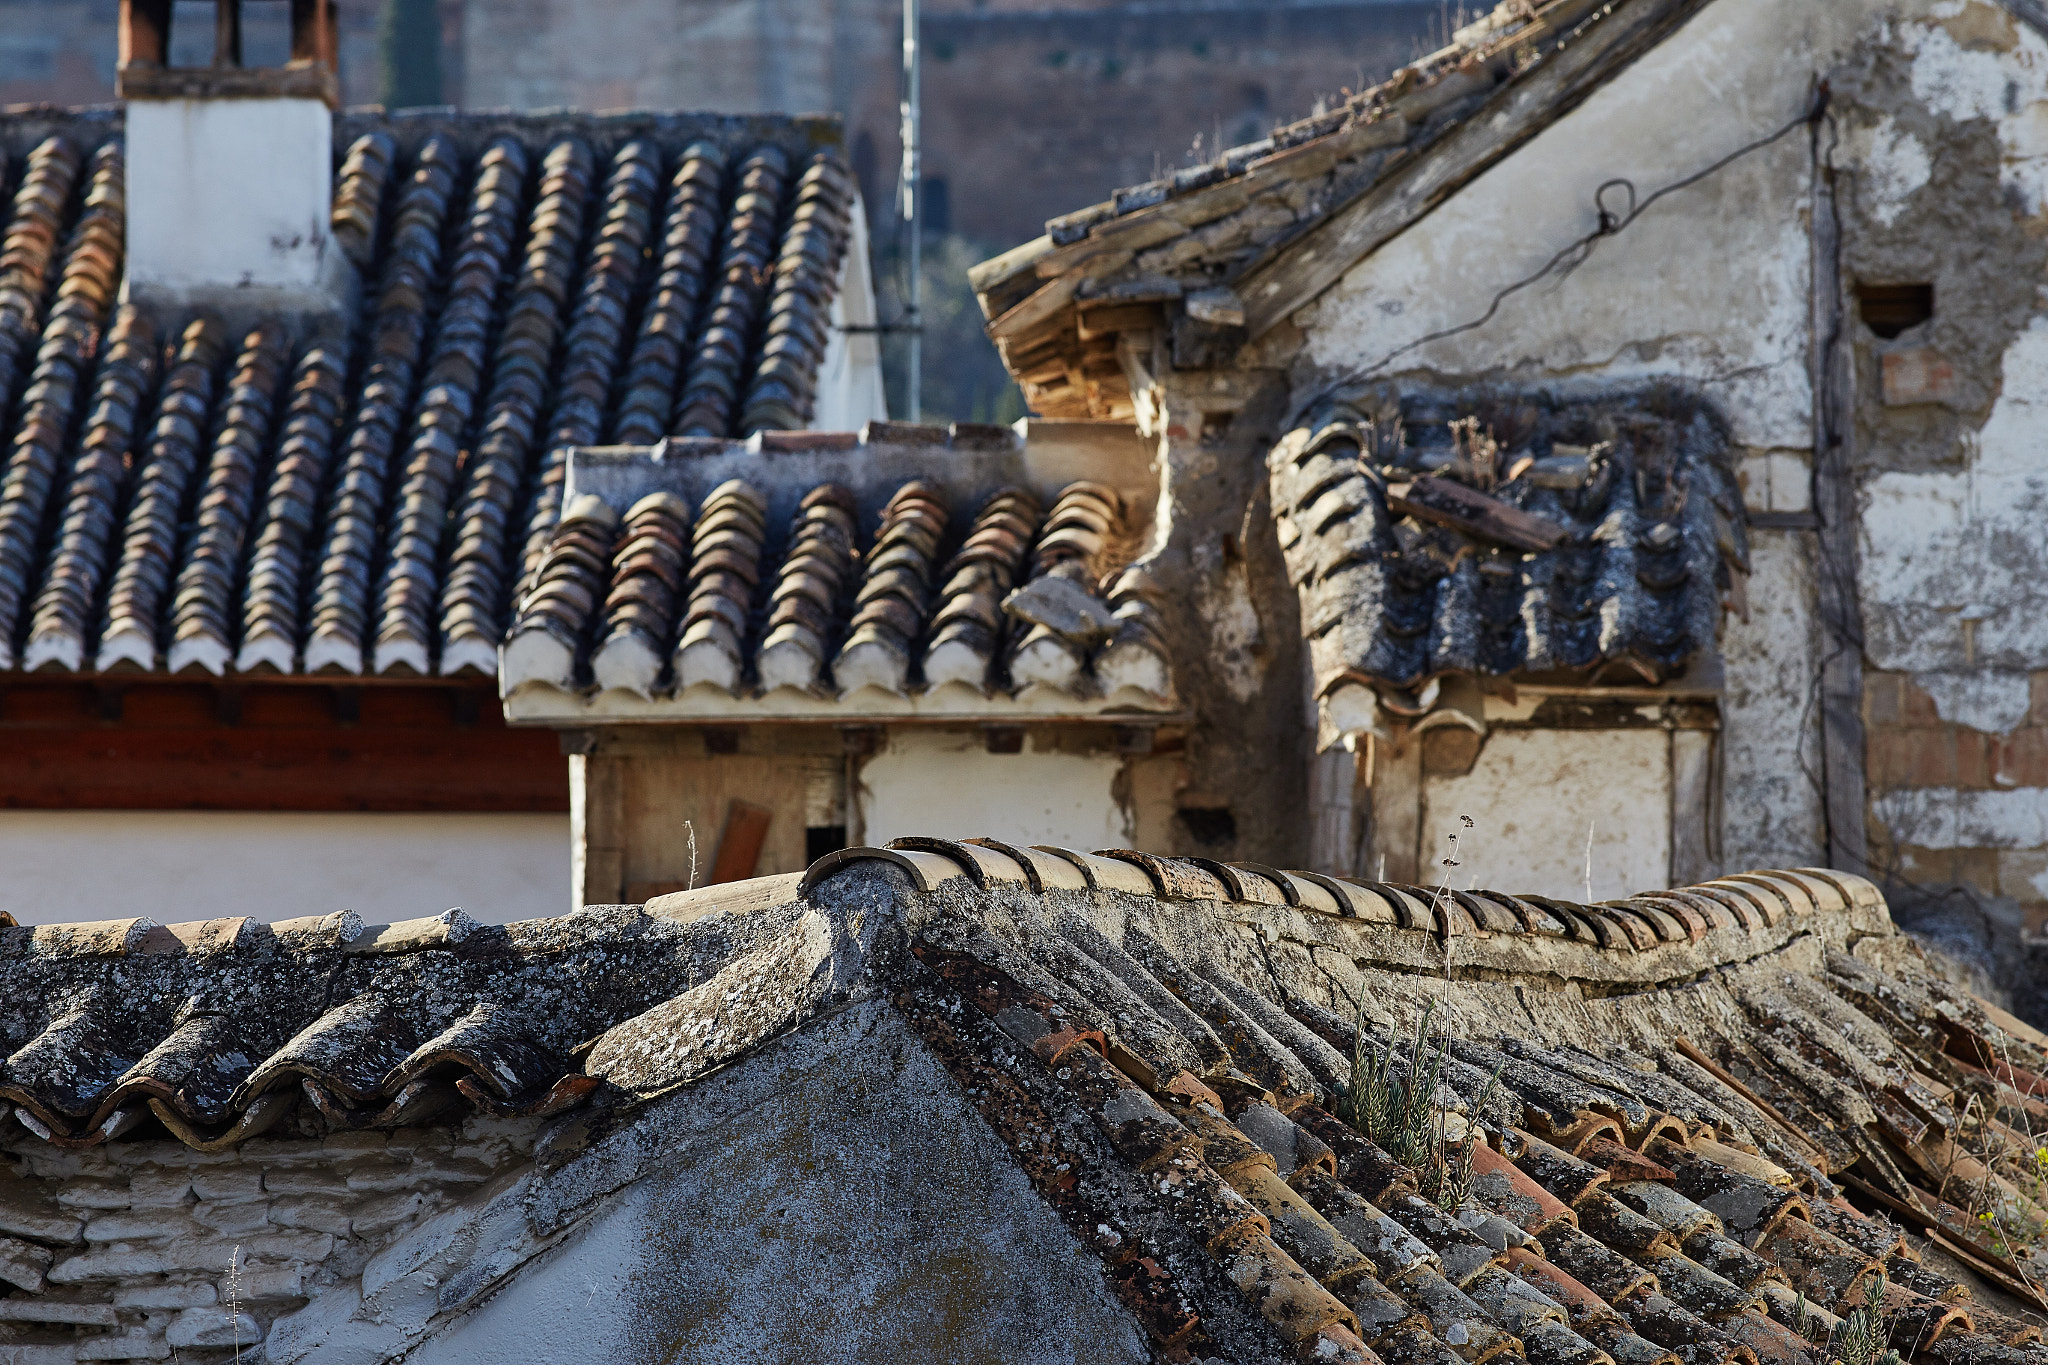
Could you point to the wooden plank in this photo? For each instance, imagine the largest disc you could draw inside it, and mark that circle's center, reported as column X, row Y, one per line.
column 1468, row 510
column 1289, row 274
column 1843, row 757
column 1117, row 317
column 739, row 846
column 1692, row 822
column 1332, row 812
column 330, row 768
column 1042, row 303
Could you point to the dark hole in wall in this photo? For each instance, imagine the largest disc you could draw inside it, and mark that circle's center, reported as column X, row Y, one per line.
column 1209, row 825
column 822, row 839
column 1889, row 309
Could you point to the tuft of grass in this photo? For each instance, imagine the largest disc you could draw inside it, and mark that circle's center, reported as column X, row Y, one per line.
column 1864, row 1336
column 1394, row 1103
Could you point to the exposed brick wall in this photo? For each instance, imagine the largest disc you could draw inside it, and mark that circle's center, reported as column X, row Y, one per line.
column 122, row 1252
column 1911, row 748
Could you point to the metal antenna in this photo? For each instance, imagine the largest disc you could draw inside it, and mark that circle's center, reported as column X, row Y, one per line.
column 912, row 175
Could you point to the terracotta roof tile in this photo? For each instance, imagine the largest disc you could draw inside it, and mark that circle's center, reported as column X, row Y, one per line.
column 891, row 591
column 1150, row 1020
column 370, row 497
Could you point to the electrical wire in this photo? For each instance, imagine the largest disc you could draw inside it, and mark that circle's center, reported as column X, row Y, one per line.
column 1610, row 222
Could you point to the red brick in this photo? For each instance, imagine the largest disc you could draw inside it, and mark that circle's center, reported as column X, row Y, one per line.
column 1880, row 698
column 2038, row 697
column 1915, row 706
column 2021, row 758
column 1920, row 756
column 1979, row 868
column 1927, row 866
column 1973, row 758
column 1919, row 375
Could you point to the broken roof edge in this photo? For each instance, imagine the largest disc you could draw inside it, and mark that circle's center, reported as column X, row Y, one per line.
column 1222, row 253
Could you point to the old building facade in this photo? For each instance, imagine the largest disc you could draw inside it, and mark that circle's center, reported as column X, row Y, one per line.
column 1753, row 231
column 287, row 397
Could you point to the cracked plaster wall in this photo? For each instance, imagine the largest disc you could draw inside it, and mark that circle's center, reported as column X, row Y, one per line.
column 1941, row 135
column 1723, row 310
column 1237, row 788
column 1944, row 112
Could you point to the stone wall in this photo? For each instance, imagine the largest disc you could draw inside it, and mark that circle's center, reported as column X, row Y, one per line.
column 126, row 1249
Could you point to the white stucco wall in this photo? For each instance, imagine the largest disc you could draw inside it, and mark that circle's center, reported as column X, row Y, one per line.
column 1710, row 286
column 1535, row 795
column 946, row 784
column 850, row 376
column 174, row 866
column 228, row 193
column 1726, row 307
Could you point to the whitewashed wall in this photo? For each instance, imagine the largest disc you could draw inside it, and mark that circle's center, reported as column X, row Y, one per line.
column 174, row 866
column 1711, row 286
column 850, row 376
column 231, row 197
column 946, row 784
column 1555, row 812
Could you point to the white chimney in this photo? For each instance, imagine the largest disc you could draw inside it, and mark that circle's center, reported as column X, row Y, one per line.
column 230, row 168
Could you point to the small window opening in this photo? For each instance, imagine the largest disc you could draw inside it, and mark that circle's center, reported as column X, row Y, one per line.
column 1889, row 309
column 1210, row 825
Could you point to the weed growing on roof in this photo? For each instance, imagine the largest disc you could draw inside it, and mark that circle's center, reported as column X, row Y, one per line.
column 1449, row 863
column 1864, row 1333
column 1395, row 1105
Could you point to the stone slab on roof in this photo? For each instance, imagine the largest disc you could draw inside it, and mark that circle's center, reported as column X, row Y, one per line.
column 299, row 496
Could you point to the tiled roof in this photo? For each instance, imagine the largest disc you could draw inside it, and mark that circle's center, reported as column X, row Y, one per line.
column 1667, row 1142
column 1623, row 527
column 303, row 496
column 1206, row 239
column 910, row 568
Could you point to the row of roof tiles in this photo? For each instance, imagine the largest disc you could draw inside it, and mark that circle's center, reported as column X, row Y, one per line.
column 101, row 1091
column 1561, row 538
column 1015, row 595
column 178, row 496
